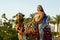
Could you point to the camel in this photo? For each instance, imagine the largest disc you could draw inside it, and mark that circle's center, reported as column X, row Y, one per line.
column 31, row 32
column 20, row 25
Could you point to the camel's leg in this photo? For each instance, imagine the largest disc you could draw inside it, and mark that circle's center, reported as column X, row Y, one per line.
column 20, row 36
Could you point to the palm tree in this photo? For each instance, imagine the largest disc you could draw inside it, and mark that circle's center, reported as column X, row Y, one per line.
column 53, row 22
column 57, row 19
column 27, row 20
column 31, row 15
column 4, row 16
column 49, row 19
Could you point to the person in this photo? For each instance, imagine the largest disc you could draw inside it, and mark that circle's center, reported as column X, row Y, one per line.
column 20, row 25
column 40, row 18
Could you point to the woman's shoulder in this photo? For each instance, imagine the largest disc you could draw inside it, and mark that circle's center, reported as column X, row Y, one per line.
column 41, row 12
column 38, row 13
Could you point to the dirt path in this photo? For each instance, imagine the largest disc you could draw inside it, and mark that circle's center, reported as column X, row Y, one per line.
column 56, row 38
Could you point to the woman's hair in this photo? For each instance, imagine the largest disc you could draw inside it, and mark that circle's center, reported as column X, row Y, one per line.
column 42, row 8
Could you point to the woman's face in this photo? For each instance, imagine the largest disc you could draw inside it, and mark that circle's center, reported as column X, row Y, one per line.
column 39, row 8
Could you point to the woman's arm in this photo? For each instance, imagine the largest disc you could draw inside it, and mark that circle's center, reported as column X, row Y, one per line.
column 40, row 17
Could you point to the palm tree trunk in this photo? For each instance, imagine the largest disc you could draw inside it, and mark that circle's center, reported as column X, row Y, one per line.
column 57, row 28
column 54, row 27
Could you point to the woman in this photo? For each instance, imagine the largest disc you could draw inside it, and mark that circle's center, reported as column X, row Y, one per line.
column 40, row 18
column 20, row 25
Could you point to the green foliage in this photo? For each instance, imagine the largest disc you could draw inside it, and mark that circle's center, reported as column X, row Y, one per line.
column 57, row 19
column 4, row 16
column 31, row 15
column 8, row 33
column 55, row 33
column 27, row 20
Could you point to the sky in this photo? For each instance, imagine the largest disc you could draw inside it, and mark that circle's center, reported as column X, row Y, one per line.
column 27, row 7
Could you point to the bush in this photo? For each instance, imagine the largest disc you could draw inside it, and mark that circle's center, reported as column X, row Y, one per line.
column 55, row 34
column 8, row 34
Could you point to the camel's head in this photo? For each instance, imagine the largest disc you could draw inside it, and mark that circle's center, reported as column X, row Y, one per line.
column 19, row 15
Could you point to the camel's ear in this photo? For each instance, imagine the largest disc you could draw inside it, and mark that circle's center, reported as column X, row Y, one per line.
column 23, row 15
